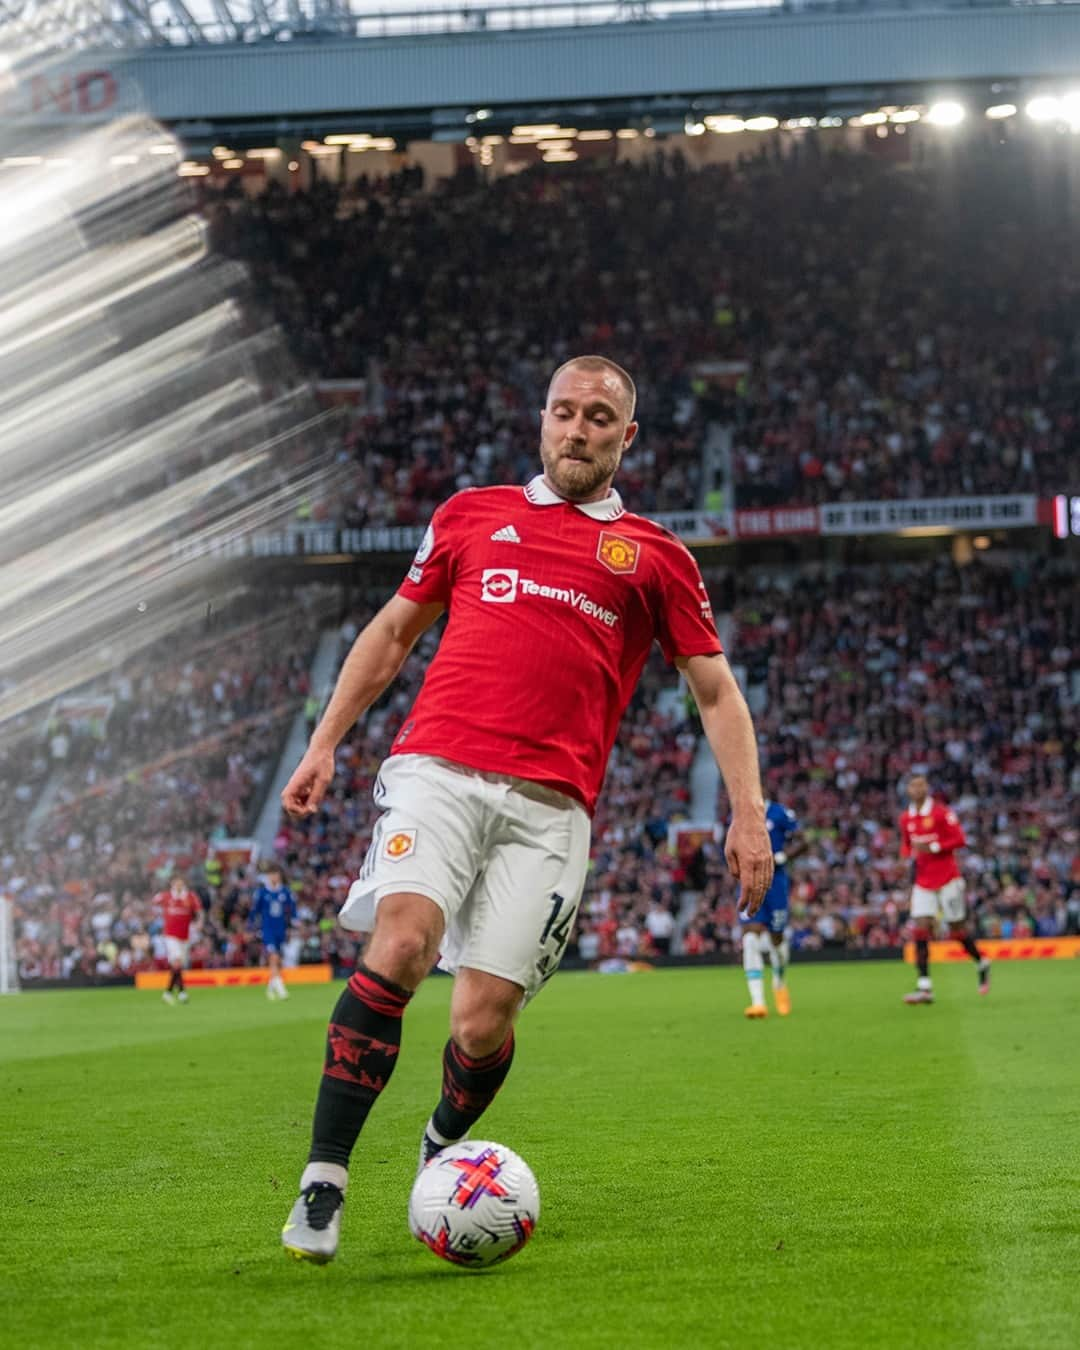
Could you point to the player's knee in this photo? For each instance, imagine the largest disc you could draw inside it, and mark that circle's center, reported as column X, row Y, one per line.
column 405, row 943
column 402, row 956
column 920, row 932
column 480, row 1031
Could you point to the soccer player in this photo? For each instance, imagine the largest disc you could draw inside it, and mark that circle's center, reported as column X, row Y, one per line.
column 179, row 908
column 273, row 910
column 555, row 596
column 766, row 931
column 931, row 834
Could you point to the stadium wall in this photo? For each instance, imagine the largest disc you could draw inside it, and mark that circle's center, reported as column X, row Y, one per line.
column 618, row 61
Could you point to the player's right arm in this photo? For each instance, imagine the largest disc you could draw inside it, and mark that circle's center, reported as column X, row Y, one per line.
column 376, row 657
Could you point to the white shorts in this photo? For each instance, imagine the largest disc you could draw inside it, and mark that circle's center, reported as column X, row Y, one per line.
column 950, row 902
column 504, row 859
column 176, row 950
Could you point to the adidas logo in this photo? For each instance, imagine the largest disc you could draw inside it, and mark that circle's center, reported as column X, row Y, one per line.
column 507, row 535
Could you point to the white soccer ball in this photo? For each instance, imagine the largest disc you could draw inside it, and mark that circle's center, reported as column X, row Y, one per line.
column 474, row 1204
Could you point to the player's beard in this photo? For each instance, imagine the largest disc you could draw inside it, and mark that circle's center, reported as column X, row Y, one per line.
column 578, row 480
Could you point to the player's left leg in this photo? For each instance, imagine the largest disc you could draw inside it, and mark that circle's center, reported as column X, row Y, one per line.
column 954, row 908
column 476, row 1058
column 275, row 985
column 779, row 956
column 504, row 944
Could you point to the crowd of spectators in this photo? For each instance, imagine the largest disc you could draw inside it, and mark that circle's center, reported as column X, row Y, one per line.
column 969, row 673
column 858, row 674
column 908, row 332
column 182, row 757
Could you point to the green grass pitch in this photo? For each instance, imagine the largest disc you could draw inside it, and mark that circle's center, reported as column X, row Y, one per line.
column 859, row 1174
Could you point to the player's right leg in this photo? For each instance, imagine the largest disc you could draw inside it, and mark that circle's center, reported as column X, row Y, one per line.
column 924, row 909
column 362, row 1046
column 754, row 939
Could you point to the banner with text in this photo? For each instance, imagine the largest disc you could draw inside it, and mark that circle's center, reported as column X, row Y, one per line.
column 237, row 977
column 692, row 527
column 1004, row 949
column 946, row 513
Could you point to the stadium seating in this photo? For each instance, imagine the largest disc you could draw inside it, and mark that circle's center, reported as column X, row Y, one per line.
column 874, row 362
column 878, row 362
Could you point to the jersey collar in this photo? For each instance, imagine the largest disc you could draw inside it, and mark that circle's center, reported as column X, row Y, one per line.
column 539, row 494
column 924, row 810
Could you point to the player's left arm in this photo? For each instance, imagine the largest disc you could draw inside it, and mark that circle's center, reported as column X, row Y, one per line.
column 950, row 834
column 794, row 847
column 729, row 729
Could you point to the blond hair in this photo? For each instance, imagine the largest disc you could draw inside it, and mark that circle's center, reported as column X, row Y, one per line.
column 601, row 363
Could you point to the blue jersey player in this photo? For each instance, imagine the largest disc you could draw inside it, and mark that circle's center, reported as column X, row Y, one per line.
column 766, row 931
column 273, row 910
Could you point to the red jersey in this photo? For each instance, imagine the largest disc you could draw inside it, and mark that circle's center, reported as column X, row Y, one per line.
column 936, row 825
column 553, row 609
column 178, row 910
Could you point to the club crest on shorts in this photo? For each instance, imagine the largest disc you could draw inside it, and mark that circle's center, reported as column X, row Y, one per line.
column 399, row 845
column 618, row 555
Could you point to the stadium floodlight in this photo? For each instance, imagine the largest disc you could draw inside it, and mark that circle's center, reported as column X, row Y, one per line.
column 762, row 123
column 1070, row 109
column 946, row 114
column 1045, row 108
column 902, row 115
column 870, row 119
column 999, row 111
column 695, row 128
column 830, row 121
column 725, row 126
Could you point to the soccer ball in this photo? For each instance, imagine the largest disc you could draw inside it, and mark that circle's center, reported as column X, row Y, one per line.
column 474, row 1204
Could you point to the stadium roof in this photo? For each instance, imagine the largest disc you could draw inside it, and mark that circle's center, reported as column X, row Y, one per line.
column 184, row 23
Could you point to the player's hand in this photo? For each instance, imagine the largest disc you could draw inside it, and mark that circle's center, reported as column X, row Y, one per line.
column 307, row 787
column 749, row 856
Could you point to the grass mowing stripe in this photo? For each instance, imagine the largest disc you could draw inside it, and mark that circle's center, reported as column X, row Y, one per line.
column 859, row 1174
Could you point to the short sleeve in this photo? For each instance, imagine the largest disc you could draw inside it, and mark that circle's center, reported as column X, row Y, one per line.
column 428, row 580
column 685, row 625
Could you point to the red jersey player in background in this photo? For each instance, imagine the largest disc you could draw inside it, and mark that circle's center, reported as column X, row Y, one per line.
column 555, row 596
column 931, row 833
column 179, row 908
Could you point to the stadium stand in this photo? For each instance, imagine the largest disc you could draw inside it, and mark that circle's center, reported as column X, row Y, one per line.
column 863, row 677
column 878, row 362
column 874, row 363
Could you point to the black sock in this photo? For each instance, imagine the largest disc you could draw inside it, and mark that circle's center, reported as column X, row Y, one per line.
column 968, row 944
column 362, row 1046
column 922, row 957
column 179, row 981
column 469, row 1086
column 174, row 976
